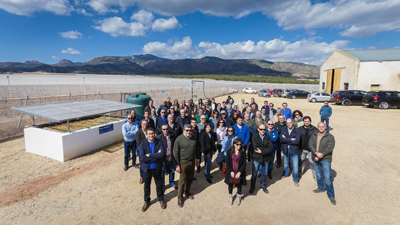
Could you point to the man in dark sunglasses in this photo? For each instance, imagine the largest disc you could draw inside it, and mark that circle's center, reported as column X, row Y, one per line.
column 161, row 119
column 129, row 130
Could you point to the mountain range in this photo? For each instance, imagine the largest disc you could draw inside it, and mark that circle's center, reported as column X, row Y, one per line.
column 150, row 64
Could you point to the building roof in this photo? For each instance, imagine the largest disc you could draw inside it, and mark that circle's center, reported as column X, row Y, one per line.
column 391, row 54
column 64, row 111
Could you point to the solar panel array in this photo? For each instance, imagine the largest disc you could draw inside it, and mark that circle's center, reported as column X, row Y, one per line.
column 59, row 112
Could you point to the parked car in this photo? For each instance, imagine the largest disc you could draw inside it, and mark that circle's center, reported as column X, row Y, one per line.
column 285, row 92
column 235, row 91
column 269, row 90
column 348, row 97
column 264, row 93
column 277, row 92
column 297, row 94
column 382, row 99
column 319, row 97
column 249, row 90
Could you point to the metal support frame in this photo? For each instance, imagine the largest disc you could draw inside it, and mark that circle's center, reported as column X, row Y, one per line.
column 12, row 102
column 193, row 83
column 68, row 125
column 68, row 97
column 22, row 114
column 104, row 118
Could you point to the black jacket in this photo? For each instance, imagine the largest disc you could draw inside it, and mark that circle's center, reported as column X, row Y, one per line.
column 304, row 140
column 241, row 167
column 265, row 145
column 182, row 121
column 150, row 123
column 207, row 144
column 140, row 137
column 157, row 157
column 176, row 131
column 326, row 145
column 163, row 140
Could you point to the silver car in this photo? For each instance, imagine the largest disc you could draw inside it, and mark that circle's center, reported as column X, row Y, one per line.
column 264, row 93
column 319, row 97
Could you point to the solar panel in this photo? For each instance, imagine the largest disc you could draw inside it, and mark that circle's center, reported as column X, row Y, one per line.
column 59, row 112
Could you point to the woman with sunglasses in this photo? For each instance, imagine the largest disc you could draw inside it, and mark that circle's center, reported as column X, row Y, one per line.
column 234, row 118
column 236, row 168
column 207, row 143
column 221, row 133
column 228, row 140
column 298, row 118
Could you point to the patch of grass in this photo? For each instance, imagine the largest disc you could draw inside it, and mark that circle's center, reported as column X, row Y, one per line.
column 261, row 79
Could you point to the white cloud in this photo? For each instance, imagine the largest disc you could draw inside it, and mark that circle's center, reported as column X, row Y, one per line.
column 177, row 49
column 71, row 34
column 54, row 57
column 143, row 16
column 28, row 7
column 83, row 12
column 307, row 50
column 353, row 18
column 163, row 24
column 143, row 21
column 71, row 51
column 116, row 26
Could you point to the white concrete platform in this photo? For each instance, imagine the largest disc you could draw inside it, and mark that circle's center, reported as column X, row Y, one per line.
column 66, row 146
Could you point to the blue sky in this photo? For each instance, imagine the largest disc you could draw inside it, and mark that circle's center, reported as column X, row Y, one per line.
column 291, row 30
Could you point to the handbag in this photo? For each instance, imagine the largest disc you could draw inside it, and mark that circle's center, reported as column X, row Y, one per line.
column 224, row 169
column 220, row 158
column 234, row 180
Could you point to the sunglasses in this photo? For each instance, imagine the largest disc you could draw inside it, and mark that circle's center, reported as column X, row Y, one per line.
column 221, row 122
column 238, row 144
column 203, row 118
column 270, row 124
column 261, row 129
column 188, row 130
column 164, row 129
column 230, row 130
column 162, row 112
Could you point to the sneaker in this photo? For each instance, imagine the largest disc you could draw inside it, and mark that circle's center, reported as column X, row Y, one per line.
column 238, row 199
column 230, row 199
column 296, row 183
column 333, row 201
column 265, row 190
column 209, row 181
column 126, row 168
column 316, row 191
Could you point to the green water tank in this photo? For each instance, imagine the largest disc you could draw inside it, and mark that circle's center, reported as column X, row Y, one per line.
column 138, row 99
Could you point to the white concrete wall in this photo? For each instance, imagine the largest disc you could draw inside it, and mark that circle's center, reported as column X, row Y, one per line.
column 66, row 146
column 348, row 64
column 385, row 73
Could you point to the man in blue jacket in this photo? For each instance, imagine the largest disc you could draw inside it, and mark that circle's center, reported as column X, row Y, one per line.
column 151, row 154
column 274, row 135
column 286, row 111
column 325, row 112
column 290, row 138
column 161, row 119
column 242, row 131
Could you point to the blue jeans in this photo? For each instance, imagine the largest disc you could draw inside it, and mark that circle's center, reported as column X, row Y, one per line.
column 208, row 164
column 326, row 119
column 295, row 165
column 271, row 162
column 169, row 167
column 130, row 147
column 324, row 177
column 278, row 154
column 264, row 170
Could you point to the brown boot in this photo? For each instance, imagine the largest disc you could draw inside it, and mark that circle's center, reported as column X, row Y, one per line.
column 180, row 203
column 163, row 204
column 145, row 206
column 141, row 180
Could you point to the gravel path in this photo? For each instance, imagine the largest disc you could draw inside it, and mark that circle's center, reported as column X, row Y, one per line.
column 365, row 167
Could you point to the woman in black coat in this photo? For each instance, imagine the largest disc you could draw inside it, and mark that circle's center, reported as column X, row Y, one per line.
column 236, row 168
column 207, row 143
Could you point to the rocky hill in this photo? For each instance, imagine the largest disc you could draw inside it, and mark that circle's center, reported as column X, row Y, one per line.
column 150, row 64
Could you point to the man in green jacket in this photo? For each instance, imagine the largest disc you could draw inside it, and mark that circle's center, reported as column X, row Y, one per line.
column 186, row 152
column 321, row 145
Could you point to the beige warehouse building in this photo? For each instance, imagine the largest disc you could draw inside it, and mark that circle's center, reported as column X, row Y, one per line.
column 374, row 69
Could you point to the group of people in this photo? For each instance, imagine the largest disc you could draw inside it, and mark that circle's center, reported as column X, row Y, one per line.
column 173, row 137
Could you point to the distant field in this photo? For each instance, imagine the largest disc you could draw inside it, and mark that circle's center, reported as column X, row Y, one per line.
column 260, row 79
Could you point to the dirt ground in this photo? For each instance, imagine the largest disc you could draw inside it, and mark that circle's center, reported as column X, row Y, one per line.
column 94, row 189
